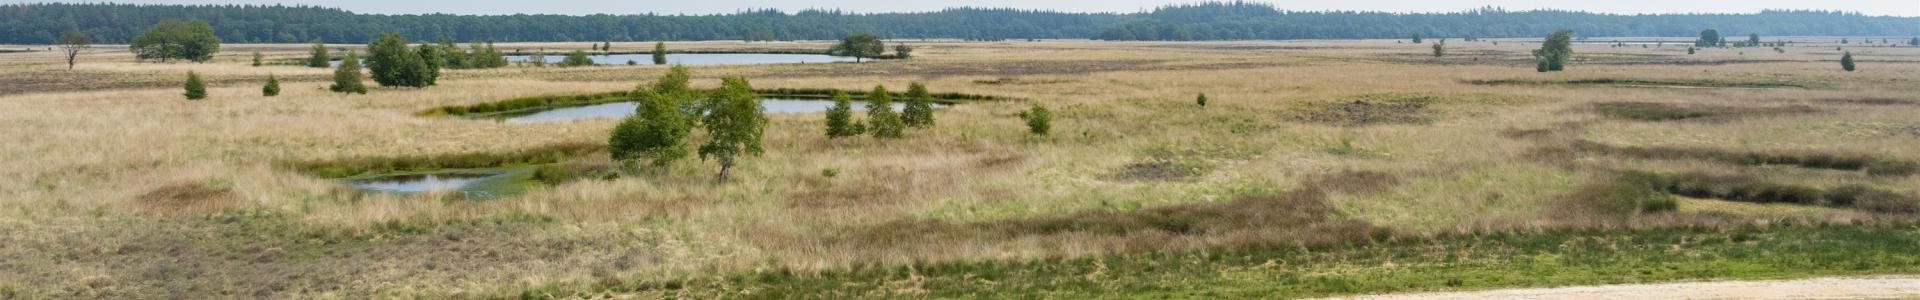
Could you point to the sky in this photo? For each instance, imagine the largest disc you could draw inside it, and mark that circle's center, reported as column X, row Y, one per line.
column 581, row 7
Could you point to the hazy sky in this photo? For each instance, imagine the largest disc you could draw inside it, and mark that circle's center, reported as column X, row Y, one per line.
column 576, row 7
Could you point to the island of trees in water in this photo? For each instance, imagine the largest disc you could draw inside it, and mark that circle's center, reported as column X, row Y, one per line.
column 121, row 23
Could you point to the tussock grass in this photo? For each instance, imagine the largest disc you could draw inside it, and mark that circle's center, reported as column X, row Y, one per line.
column 1848, row 162
column 1640, row 82
column 1657, row 112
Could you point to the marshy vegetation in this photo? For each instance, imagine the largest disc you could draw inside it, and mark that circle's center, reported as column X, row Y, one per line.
column 1069, row 169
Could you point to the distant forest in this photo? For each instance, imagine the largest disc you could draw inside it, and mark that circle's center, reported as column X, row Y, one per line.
column 118, row 23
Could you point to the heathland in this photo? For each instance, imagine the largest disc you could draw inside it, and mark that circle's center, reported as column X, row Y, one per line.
column 1314, row 168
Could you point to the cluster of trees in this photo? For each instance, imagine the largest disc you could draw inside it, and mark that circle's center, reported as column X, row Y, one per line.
column 882, row 121
column 392, row 63
column 1553, row 53
column 176, row 39
column 670, row 110
column 119, row 23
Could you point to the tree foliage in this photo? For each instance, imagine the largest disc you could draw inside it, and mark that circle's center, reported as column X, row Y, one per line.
column 317, row 57
column 1440, row 48
column 882, row 121
column 859, row 45
column 393, row 64
column 735, row 123
column 118, row 23
column 1417, row 39
column 577, row 58
column 176, row 39
column 918, row 112
column 659, row 53
column 1709, row 38
column 346, row 77
column 840, row 117
column 658, row 128
column 196, row 89
column 1554, row 52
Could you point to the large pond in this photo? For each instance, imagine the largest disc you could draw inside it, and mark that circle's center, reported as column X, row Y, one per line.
column 477, row 184
column 617, row 110
column 702, row 58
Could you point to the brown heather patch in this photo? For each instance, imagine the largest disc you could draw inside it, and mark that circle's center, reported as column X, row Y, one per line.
column 186, row 198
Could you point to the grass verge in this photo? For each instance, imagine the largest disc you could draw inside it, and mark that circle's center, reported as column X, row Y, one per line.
column 1452, row 262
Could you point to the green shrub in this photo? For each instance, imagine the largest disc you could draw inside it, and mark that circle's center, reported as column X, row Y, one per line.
column 1039, row 120
column 882, row 121
column 196, row 89
column 272, row 88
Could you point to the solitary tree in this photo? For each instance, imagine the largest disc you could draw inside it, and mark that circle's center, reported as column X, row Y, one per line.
column 903, row 51
column 606, row 46
column 1417, row 40
column 257, row 57
column 919, row 110
column 346, row 78
column 1709, row 38
column 317, row 58
column 1552, row 55
column 1202, row 100
column 175, row 39
column 392, row 64
column 577, row 58
column 272, row 88
column 1039, row 120
column 1846, row 61
column 659, row 53
column 1753, row 39
column 840, row 117
column 1914, row 42
column 881, row 119
column 859, row 46
column 1691, row 50
column 1440, row 48
column 196, row 90
column 734, row 124
column 72, row 43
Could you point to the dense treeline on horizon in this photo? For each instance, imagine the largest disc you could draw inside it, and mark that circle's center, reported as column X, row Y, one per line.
column 119, row 23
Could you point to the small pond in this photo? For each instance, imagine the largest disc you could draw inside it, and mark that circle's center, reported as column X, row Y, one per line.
column 617, row 110
column 701, row 58
column 475, row 184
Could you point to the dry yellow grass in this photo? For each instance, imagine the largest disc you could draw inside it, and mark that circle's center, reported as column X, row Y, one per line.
column 82, row 160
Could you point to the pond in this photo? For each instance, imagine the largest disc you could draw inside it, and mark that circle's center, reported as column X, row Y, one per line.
column 701, row 58
column 623, row 109
column 476, row 184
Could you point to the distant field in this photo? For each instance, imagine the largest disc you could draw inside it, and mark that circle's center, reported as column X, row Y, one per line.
column 1316, row 168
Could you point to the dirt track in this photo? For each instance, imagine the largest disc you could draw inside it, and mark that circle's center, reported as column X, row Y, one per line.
column 1899, row 287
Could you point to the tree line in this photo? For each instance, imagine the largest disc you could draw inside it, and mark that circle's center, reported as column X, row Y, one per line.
column 121, row 23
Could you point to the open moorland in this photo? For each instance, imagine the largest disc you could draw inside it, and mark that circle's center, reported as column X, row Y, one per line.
column 1315, row 168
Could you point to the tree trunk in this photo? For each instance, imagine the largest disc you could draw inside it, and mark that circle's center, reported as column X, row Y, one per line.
column 726, row 165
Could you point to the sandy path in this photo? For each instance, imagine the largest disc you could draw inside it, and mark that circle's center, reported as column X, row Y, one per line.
column 1902, row 287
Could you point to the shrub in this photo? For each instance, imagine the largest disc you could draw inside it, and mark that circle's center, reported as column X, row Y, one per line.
column 1846, row 61
column 919, row 110
column 318, row 58
column 392, row 64
column 840, row 117
column 257, row 57
column 196, row 89
column 1202, row 100
column 882, row 121
column 272, row 88
column 660, row 127
column 346, row 78
column 1039, row 120
column 1552, row 55
column 735, row 124
column 577, row 58
column 659, row 53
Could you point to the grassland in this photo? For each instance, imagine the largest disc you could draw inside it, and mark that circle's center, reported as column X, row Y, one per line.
column 1317, row 168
